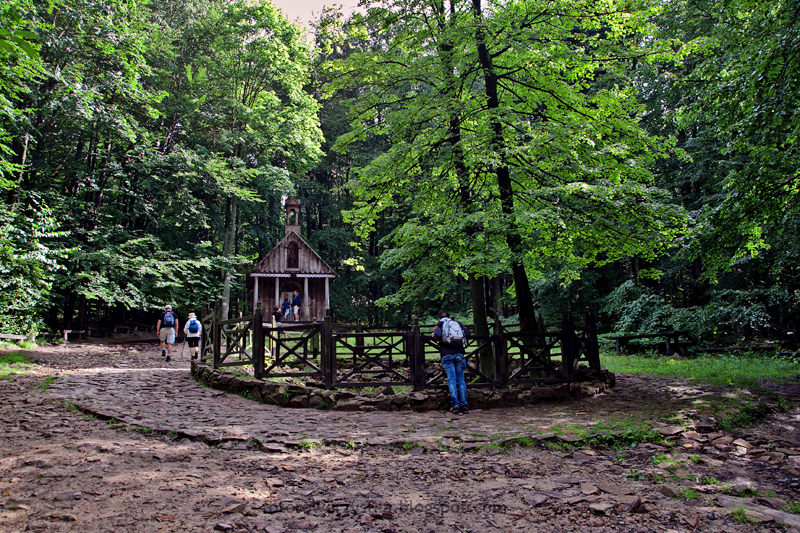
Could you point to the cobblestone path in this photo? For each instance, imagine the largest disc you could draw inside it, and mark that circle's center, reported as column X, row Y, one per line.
column 63, row 472
column 168, row 399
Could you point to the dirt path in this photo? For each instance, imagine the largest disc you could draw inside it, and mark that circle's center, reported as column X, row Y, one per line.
column 192, row 464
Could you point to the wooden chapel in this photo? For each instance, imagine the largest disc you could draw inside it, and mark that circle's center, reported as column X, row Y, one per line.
column 292, row 265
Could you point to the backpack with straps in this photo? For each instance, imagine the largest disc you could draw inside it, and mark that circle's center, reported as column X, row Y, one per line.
column 169, row 320
column 194, row 326
column 452, row 332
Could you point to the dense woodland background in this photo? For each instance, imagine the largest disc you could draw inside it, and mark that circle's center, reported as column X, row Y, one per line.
column 521, row 157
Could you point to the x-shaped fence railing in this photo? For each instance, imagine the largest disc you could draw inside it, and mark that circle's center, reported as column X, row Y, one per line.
column 370, row 350
column 292, row 346
column 531, row 353
column 234, row 338
column 473, row 375
column 207, row 336
column 345, row 359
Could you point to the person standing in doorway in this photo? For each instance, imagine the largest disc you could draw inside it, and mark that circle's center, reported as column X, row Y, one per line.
column 192, row 331
column 453, row 337
column 297, row 301
column 286, row 306
column 165, row 329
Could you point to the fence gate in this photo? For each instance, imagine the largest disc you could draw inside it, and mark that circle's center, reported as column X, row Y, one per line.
column 292, row 351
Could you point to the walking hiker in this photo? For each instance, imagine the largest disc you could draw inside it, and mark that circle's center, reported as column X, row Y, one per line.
column 192, row 331
column 286, row 308
column 297, row 301
column 453, row 338
column 165, row 329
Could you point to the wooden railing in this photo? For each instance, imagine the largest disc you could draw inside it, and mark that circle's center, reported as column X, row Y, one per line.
column 339, row 358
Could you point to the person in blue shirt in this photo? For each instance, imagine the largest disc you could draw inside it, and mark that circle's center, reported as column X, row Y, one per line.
column 286, row 307
column 297, row 301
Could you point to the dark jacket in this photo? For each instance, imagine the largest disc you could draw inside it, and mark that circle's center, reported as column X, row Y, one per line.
column 448, row 349
column 297, row 300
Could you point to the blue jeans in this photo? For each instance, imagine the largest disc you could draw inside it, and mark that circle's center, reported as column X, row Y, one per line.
column 454, row 365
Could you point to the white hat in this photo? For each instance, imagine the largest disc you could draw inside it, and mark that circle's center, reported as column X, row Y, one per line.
column 192, row 315
column 168, row 307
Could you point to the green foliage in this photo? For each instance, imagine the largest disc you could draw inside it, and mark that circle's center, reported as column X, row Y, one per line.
column 45, row 384
column 435, row 170
column 739, row 515
column 745, row 416
column 743, row 370
column 14, row 363
column 690, row 494
column 792, row 507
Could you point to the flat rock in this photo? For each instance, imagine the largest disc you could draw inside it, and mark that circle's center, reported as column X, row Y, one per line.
column 235, row 508
column 601, row 508
column 614, row 489
column 535, row 500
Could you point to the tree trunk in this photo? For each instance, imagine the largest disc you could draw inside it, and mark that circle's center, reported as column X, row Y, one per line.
column 486, row 357
column 228, row 242
column 527, row 316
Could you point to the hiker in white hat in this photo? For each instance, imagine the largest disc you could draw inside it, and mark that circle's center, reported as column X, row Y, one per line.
column 192, row 331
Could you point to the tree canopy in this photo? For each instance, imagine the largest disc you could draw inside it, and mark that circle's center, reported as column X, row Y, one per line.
column 514, row 158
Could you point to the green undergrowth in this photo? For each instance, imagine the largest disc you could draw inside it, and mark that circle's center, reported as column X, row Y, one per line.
column 746, row 415
column 742, row 369
column 14, row 363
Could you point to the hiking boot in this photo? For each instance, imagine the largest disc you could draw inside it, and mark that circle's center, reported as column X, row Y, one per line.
column 455, row 410
column 463, row 410
column 194, row 356
column 168, row 358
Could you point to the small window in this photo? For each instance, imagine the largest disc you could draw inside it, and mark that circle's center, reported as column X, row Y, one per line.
column 292, row 255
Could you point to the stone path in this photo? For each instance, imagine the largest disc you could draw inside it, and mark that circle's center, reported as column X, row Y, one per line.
column 60, row 471
column 169, row 400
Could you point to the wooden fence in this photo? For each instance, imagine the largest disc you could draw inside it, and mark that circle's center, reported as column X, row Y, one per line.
column 337, row 357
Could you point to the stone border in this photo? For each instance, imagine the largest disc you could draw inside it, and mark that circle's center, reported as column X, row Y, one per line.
column 299, row 396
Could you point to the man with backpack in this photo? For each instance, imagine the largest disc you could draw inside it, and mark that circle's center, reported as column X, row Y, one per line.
column 192, row 331
column 165, row 329
column 453, row 338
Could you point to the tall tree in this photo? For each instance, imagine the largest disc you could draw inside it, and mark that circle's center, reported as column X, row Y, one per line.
column 556, row 161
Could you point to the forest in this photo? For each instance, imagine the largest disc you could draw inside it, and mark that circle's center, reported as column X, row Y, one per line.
column 513, row 158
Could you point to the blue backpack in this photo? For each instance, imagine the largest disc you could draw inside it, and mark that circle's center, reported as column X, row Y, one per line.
column 169, row 320
column 194, row 326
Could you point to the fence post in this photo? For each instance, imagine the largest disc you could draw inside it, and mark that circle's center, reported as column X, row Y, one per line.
column 258, row 344
column 567, row 346
column 416, row 355
column 500, row 355
column 328, row 368
column 217, row 330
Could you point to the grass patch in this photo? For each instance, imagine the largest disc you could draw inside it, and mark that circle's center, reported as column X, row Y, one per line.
column 14, row 363
column 44, row 385
column 722, row 370
column 308, row 445
column 739, row 515
column 746, row 416
column 555, row 446
column 690, row 494
column 792, row 507
column 625, row 439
